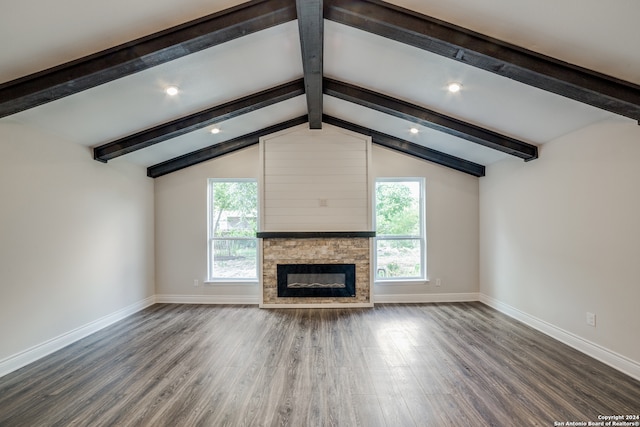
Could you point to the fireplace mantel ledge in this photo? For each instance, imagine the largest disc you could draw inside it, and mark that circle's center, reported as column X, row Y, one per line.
column 313, row 234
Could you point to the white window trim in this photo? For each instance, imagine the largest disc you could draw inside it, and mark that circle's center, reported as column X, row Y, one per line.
column 222, row 280
column 423, row 279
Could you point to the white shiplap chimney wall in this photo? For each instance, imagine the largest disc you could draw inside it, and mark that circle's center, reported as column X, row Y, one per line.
column 316, row 180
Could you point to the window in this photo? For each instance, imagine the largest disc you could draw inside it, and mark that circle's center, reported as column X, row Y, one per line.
column 400, row 243
column 233, row 223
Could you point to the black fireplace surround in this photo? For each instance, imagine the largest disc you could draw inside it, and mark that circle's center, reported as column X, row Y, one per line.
column 316, row 280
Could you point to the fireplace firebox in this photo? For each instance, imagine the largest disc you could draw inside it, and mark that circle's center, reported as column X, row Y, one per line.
column 317, row 280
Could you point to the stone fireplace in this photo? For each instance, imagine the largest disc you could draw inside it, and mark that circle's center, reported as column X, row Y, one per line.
column 316, row 202
column 306, row 258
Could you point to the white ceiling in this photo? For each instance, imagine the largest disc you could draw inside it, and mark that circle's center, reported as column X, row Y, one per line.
column 207, row 78
column 36, row 34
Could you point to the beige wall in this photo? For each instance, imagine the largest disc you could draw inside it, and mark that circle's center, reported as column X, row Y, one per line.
column 181, row 230
column 76, row 238
column 560, row 236
column 452, row 228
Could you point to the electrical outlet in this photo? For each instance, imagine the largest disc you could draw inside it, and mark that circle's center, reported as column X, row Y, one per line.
column 438, row 283
column 591, row 319
column 196, row 282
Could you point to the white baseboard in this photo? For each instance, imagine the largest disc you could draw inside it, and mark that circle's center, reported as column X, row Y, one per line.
column 611, row 358
column 34, row 353
column 424, row 298
column 208, row 299
column 252, row 300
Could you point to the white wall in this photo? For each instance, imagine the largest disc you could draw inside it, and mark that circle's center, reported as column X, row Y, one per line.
column 560, row 236
column 181, row 229
column 76, row 238
column 316, row 180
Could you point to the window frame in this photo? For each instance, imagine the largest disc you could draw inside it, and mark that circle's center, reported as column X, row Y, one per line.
column 211, row 238
column 422, row 237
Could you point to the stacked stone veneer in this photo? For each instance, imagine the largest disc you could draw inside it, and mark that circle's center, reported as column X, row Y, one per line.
column 315, row 251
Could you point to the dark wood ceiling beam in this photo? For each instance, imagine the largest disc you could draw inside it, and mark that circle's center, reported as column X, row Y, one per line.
column 311, row 26
column 424, row 32
column 219, row 149
column 141, row 54
column 198, row 120
column 411, row 148
column 429, row 118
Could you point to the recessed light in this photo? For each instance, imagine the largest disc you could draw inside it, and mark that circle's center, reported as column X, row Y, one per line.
column 215, row 130
column 454, row 87
column 172, row 91
column 413, row 130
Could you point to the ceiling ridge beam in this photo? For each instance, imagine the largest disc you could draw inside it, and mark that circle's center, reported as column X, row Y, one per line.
column 199, row 120
column 219, row 149
column 472, row 48
column 138, row 55
column 411, row 148
column 311, row 28
column 429, row 118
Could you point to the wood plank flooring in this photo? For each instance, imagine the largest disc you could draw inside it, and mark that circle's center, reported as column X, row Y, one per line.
column 458, row 364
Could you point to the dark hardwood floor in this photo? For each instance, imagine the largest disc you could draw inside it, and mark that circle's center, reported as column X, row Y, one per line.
column 394, row 365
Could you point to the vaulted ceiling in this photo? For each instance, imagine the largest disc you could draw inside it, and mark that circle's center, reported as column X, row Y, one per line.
column 95, row 75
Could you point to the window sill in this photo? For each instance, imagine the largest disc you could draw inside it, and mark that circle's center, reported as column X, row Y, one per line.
column 401, row 282
column 227, row 282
